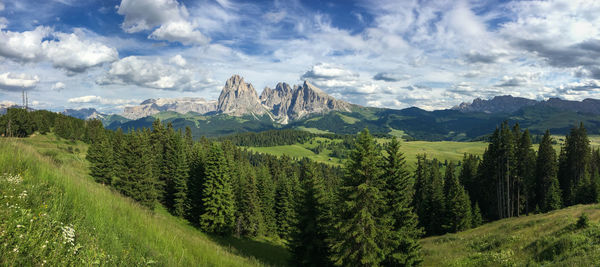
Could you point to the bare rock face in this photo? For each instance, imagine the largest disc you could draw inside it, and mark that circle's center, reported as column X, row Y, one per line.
column 287, row 103
column 179, row 105
column 238, row 98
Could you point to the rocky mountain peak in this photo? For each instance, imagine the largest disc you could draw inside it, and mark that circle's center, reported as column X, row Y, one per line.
column 498, row 104
column 238, row 98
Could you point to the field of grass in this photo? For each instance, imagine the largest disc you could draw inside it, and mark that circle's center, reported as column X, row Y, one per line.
column 54, row 214
column 551, row 239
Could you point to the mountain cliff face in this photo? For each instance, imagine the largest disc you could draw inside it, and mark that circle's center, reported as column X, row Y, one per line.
column 287, row 103
column 283, row 104
column 239, row 98
column 509, row 104
column 179, row 105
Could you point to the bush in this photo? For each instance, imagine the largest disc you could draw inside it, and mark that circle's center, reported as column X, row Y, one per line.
column 583, row 221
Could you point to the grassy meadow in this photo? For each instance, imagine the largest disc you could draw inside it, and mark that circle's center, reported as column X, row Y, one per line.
column 549, row 239
column 54, row 214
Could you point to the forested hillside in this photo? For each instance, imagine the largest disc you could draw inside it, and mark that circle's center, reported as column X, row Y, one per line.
column 372, row 211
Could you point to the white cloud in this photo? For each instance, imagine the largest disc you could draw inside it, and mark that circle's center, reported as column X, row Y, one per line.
column 171, row 18
column 17, row 82
column 75, row 54
column 3, row 23
column 101, row 100
column 178, row 60
column 71, row 52
column 58, row 86
column 23, row 46
column 179, row 31
column 329, row 75
column 154, row 74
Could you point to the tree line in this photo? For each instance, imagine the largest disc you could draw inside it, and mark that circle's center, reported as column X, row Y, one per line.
column 370, row 212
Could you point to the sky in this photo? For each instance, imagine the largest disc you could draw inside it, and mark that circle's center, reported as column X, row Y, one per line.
column 383, row 53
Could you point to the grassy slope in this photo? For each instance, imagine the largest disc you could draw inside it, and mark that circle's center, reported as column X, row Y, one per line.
column 549, row 239
column 110, row 229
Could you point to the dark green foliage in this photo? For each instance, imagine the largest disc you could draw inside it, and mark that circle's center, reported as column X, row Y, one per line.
column 308, row 244
column 363, row 231
column 285, row 207
column 218, row 204
column 135, row 177
column 458, row 205
column 583, row 221
column 266, row 193
column 100, row 156
column 429, row 196
column 546, row 189
column 249, row 221
column 195, row 183
column 574, row 168
column 477, row 220
column 399, row 193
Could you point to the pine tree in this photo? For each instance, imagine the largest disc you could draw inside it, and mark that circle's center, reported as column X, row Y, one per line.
column 524, row 174
column 477, row 220
column 547, row 195
column 458, row 205
column 285, row 208
column 574, row 167
column 100, row 156
column 266, row 193
column 308, row 245
column 218, row 204
column 363, row 232
column 177, row 187
column 399, row 194
column 195, row 183
column 435, row 201
column 250, row 219
column 137, row 180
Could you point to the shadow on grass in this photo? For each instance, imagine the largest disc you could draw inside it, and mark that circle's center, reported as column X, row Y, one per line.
column 270, row 254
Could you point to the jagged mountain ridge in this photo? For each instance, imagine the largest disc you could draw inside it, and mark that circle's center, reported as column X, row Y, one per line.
column 84, row 113
column 238, row 98
column 509, row 104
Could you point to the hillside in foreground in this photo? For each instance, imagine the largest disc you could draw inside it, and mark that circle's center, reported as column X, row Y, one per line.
column 54, row 214
column 549, row 239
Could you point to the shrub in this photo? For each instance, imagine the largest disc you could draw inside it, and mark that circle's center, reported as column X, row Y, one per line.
column 583, row 221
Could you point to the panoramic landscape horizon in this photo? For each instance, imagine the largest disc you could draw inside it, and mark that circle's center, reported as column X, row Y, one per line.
column 300, row 133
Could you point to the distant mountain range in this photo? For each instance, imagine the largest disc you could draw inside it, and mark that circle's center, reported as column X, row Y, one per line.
column 306, row 107
column 510, row 104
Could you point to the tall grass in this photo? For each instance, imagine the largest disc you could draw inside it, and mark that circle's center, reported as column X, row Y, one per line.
column 64, row 218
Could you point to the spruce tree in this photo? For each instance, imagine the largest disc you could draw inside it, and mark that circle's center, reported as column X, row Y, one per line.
column 524, row 174
column 218, row 203
column 136, row 180
column 100, row 156
column 574, row 167
column 363, row 232
column 285, row 208
column 435, row 200
column 250, row 219
column 266, row 193
column 458, row 205
column 308, row 244
column 177, row 187
column 547, row 191
column 477, row 220
column 399, row 194
column 195, row 183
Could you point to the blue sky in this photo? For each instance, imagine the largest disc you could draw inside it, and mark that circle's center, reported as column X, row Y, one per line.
column 395, row 54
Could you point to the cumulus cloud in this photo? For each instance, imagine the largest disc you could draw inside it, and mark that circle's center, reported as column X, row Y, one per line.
column 75, row 54
column 17, row 82
column 178, row 60
column 3, row 23
column 58, row 86
column 101, row 100
column 23, row 46
column 475, row 57
column 171, row 18
column 71, row 52
column 329, row 75
column 179, row 31
column 390, row 77
column 145, row 72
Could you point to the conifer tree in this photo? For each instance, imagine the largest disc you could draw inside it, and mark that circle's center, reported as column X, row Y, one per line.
column 435, row 201
column 137, row 180
column 195, row 183
column 100, row 156
column 363, row 232
column 308, row 245
column 177, row 186
column 399, row 194
column 250, row 219
column 458, row 205
column 524, row 174
column 266, row 193
column 477, row 220
column 218, row 203
column 285, row 208
column 547, row 191
column 574, row 167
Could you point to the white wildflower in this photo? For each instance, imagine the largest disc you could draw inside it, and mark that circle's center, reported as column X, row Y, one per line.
column 68, row 234
column 19, row 226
